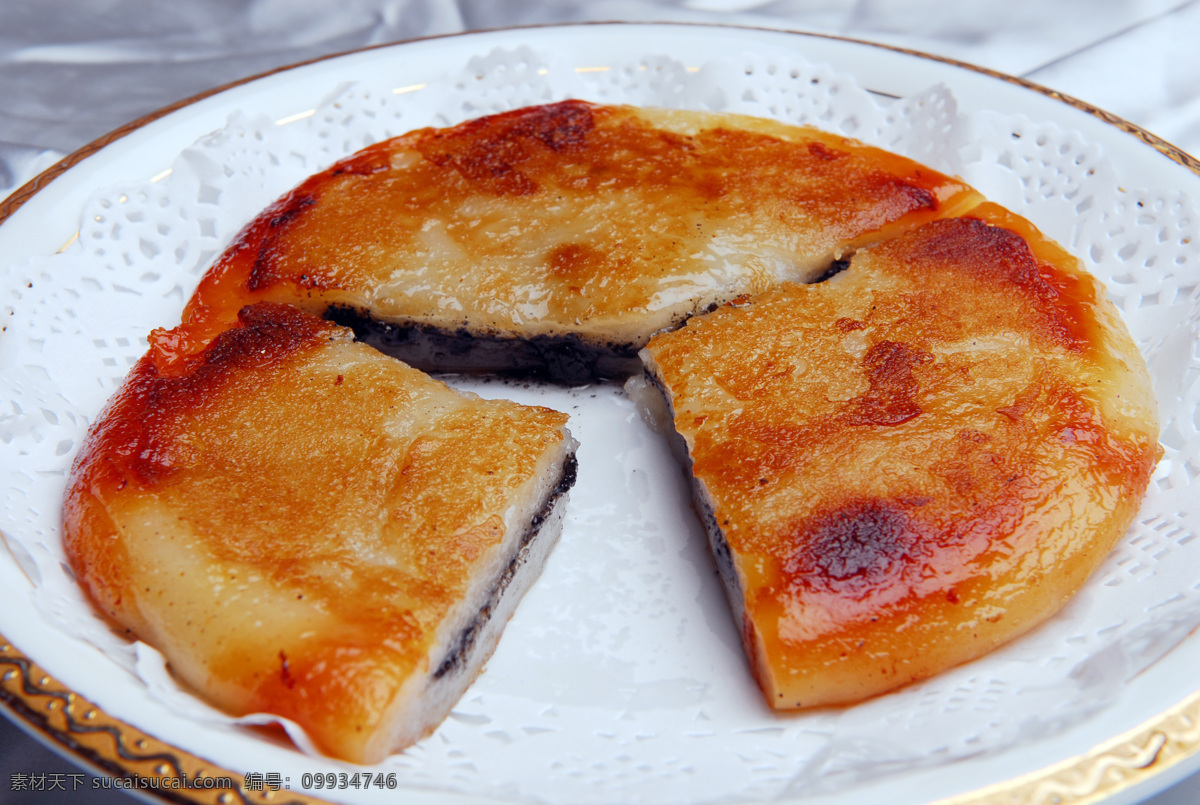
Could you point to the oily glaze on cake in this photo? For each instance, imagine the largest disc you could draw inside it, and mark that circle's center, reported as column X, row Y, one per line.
column 306, row 527
column 907, row 465
column 555, row 240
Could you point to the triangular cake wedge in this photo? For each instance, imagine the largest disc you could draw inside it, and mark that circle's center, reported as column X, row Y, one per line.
column 911, row 463
column 554, row 240
column 308, row 528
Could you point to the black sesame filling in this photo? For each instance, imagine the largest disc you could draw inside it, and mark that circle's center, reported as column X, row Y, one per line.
column 717, row 544
column 565, row 359
column 456, row 659
column 835, row 268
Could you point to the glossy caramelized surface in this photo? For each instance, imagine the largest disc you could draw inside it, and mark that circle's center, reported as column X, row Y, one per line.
column 606, row 222
column 291, row 516
column 917, row 460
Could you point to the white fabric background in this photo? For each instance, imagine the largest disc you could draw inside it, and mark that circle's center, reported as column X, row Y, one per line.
column 72, row 70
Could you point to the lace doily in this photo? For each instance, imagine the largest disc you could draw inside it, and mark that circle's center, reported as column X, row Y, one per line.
column 621, row 677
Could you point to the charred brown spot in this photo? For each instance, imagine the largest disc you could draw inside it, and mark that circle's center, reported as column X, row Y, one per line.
column 1056, row 304
column 292, row 207
column 136, row 438
column 285, row 673
column 824, row 152
column 920, row 197
column 857, row 547
column 267, row 231
column 846, row 325
column 491, row 151
column 560, row 126
column 891, row 398
column 268, row 332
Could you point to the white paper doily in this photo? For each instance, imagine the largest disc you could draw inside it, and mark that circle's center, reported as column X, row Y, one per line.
column 621, row 677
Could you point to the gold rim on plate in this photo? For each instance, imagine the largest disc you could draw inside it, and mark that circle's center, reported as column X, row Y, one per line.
column 110, row 745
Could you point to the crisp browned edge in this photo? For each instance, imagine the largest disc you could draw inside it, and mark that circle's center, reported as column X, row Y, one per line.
column 71, row 722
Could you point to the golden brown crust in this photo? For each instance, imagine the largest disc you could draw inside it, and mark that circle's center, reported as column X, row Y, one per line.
column 609, row 223
column 914, row 461
column 291, row 518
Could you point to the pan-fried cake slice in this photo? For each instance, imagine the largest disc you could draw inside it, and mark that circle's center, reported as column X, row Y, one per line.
column 306, row 527
column 555, row 240
column 913, row 462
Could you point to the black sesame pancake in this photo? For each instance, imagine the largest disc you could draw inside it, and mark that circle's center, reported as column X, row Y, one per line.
column 914, row 462
column 914, row 424
column 306, row 527
column 568, row 234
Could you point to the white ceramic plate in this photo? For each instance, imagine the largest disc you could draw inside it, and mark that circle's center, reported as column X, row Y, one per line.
column 39, row 219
